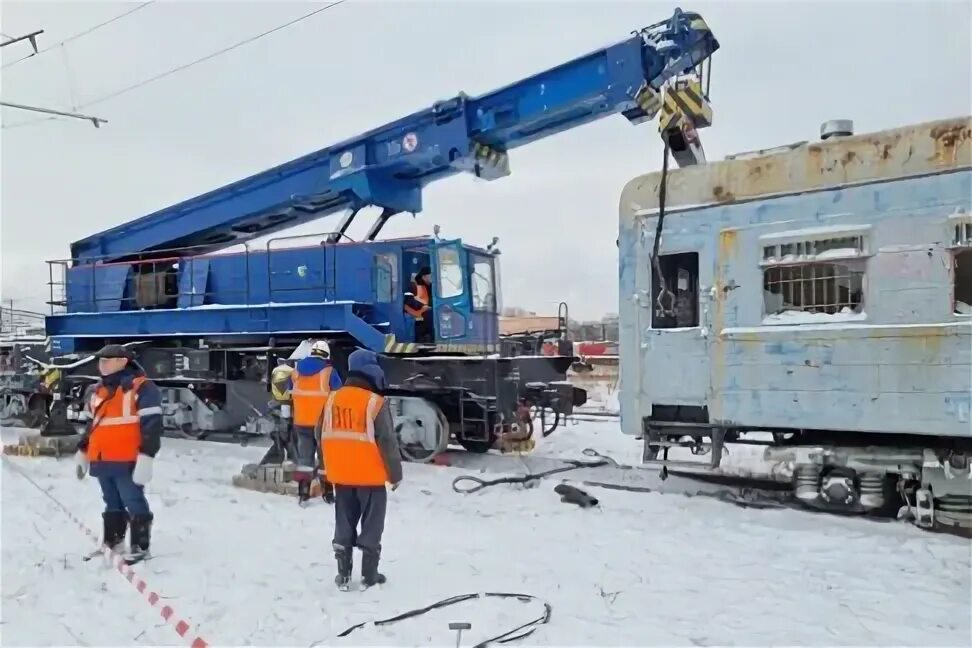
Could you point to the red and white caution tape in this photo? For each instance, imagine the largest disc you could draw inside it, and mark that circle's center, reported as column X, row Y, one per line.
column 181, row 626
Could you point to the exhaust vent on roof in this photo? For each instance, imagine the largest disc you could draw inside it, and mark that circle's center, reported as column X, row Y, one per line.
column 836, row 128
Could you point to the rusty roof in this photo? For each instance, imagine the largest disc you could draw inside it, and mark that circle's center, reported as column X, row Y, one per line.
column 901, row 152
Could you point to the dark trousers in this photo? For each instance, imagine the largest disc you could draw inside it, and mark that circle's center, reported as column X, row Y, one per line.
column 364, row 504
column 117, row 488
column 425, row 328
column 306, row 446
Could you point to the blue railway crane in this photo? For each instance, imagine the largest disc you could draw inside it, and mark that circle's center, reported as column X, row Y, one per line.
column 204, row 316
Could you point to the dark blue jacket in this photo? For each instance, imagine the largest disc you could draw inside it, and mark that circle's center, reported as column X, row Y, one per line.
column 311, row 366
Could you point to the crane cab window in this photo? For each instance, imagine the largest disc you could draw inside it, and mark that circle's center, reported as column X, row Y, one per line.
column 483, row 284
column 386, row 277
column 680, row 273
column 450, row 279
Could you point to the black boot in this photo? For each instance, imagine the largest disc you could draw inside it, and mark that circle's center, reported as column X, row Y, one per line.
column 345, row 562
column 303, row 492
column 115, row 527
column 141, row 537
column 369, row 568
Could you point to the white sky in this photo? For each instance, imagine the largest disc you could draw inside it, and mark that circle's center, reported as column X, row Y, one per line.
column 783, row 68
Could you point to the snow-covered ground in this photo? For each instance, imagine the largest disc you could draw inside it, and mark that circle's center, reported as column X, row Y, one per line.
column 643, row 569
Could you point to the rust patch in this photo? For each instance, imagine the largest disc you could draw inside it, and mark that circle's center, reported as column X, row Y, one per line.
column 849, row 157
column 948, row 140
column 728, row 243
column 721, row 194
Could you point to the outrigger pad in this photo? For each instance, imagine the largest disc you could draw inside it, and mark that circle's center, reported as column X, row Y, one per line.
column 272, row 478
column 32, row 445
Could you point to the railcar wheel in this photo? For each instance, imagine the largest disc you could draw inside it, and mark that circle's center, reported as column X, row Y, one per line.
column 422, row 428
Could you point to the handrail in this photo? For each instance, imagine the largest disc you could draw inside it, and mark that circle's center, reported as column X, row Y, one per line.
column 323, row 244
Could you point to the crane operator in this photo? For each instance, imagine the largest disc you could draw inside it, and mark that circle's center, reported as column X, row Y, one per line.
column 418, row 304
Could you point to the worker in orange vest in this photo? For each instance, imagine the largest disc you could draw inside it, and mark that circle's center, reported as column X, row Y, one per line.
column 310, row 383
column 360, row 452
column 418, row 304
column 118, row 448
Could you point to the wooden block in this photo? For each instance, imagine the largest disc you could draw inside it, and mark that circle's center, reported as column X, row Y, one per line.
column 263, row 486
column 58, row 445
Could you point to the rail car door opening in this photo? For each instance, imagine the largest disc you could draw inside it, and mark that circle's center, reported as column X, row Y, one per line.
column 452, row 299
column 680, row 388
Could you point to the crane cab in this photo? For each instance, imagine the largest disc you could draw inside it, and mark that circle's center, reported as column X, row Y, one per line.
column 464, row 293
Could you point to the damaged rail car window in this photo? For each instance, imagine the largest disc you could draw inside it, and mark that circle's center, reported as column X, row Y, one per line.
column 681, row 277
column 813, row 279
column 962, row 268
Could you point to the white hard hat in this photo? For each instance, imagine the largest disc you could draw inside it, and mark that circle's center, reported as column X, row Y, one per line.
column 321, row 347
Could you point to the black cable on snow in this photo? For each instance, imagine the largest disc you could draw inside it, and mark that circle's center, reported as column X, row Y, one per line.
column 519, row 632
column 480, row 484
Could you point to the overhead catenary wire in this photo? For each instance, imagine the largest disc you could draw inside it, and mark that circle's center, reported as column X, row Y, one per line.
column 186, row 66
column 80, row 34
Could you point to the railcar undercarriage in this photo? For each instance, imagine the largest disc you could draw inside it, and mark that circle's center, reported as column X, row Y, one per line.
column 480, row 402
column 927, row 479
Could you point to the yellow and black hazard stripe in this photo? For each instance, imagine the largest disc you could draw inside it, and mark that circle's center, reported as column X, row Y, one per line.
column 392, row 345
column 685, row 99
column 699, row 25
column 488, row 156
column 467, row 348
column 649, row 100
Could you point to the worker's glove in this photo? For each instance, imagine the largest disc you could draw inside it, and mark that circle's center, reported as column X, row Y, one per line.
column 395, row 485
column 81, row 459
column 143, row 470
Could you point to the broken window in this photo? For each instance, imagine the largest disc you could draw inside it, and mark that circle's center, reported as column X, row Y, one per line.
column 962, row 278
column 681, row 278
column 811, row 279
column 822, row 288
column 961, row 263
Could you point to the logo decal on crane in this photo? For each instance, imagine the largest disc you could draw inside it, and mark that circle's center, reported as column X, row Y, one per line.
column 410, row 142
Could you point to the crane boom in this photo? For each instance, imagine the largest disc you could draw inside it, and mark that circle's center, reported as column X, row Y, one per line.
column 389, row 166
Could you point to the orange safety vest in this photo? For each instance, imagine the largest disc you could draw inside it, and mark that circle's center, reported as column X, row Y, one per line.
column 351, row 455
column 309, row 396
column 116, row 431
column 422, row 295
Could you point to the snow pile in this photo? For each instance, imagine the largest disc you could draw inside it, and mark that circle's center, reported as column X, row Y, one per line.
column 643, row 569
column 846, row 314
